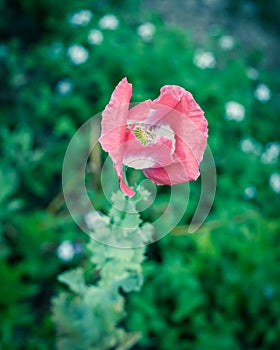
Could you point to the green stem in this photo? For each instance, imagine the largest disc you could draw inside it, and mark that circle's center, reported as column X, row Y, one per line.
column 124, row 175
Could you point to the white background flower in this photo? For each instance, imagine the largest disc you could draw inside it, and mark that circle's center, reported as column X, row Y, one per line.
column 146, row 31
column 204, row 59
column 234, row 111
column 262, row 93
column 77, row 54
column 274, row 182
column 64, row 87
column 95, row 37
column 271, row 153
column 248, row 145
column 80, row 18
column 65, row 251
column 226, row 42
column 252, row 73
column 109, row 22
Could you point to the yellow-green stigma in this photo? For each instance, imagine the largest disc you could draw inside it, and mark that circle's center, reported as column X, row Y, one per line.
column 143, row 135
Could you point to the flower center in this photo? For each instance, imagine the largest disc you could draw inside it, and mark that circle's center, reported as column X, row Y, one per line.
column 144, row 135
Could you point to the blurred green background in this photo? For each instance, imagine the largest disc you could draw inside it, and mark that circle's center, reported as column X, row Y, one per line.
column 59, row 62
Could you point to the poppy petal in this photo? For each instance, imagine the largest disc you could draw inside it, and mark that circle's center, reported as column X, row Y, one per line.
column 138, row 156
column 114, row 125
column 173, row 174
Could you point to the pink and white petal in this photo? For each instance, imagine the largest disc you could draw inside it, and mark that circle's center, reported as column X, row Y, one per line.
column 173, row 174
column 138, row 156
column 186, row 161
column 114, row 126
column 114, row 117
column 140, row 112
column 175, row 97
column 170, row 95
column 189, row 108
column 148, row 113
column 190, row 143
column 193, row 141
column 179, row 111
column 185, row 118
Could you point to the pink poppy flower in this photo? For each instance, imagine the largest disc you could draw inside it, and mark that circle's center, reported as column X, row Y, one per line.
column 166, row 137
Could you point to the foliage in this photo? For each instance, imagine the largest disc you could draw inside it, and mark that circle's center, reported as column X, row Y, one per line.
column 88, row 315
column 216, row 290
column 227, row 272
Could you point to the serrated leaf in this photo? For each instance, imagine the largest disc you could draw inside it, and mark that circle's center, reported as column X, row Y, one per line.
column 128, row 340
column 74, row 279
column 132, row 283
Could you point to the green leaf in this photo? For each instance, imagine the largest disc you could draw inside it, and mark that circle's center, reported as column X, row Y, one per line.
column 74, row 279
column 127, row 340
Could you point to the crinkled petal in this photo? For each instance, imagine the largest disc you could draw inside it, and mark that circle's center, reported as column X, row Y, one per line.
column 138, row 156
column 177, row 98
column 177, row 108
column 140, row 112
column 114, row 117
column 173, row 174
column 114, row 125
